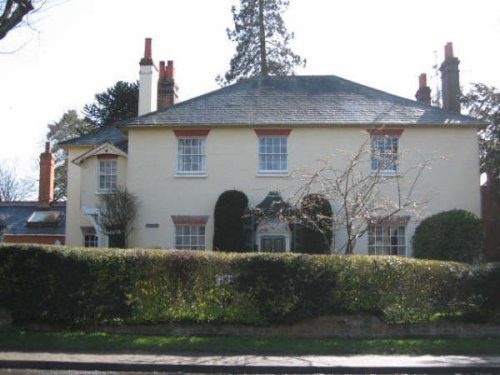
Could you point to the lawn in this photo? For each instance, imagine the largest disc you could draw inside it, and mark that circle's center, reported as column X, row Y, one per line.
column 14, row 338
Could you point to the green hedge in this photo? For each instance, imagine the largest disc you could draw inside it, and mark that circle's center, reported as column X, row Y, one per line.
column 74, row 286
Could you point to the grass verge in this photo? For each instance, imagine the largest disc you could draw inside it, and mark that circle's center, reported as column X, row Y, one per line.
column 15, row 338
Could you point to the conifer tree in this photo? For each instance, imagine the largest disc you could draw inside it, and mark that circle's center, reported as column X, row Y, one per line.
column 262, row 41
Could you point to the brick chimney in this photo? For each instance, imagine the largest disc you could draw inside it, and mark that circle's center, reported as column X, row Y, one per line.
column 46, row 184
column 147, row 77
column 167, row 90
column 450, row 80
column 423, row 94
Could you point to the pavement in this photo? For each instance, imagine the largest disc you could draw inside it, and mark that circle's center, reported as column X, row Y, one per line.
column 257, row 364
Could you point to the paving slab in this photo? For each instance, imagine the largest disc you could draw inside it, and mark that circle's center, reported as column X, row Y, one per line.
column 251, row 363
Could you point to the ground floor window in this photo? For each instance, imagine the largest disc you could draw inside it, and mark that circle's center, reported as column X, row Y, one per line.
column 90, row 240
column 189, row 237
column 89, row 237
column 387, row 239
column 273, row 244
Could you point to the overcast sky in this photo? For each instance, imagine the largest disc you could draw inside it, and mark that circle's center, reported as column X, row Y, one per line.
column 82, row 47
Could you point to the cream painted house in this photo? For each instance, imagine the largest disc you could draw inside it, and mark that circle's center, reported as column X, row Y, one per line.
column 252, row 136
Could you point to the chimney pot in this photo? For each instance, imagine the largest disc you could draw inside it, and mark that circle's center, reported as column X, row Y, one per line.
column 448, row 50
column 47, row 147
column 422, row 80
column 169, row 73
column 162, row 69
column 148, row 55
column 147, row 48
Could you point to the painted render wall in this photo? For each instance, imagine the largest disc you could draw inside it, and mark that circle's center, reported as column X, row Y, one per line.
column 232, row 155
column 82, row 192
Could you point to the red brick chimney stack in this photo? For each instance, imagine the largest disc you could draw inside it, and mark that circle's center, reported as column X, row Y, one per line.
column 423, row 94
column 46, row 184
column 450, row 80
column 167, row 90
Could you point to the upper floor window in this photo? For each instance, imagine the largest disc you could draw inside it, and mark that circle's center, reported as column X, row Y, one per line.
column 384, row 150
column 191, row 157
column 273, row 150
column 107, row 175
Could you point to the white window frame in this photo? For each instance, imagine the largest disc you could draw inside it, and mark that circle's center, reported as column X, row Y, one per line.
column 195, row 241
column 203, row 167
column 390, row 151
column 263, row 138
column 111, row 174
column 90, row 242
column 381, row 236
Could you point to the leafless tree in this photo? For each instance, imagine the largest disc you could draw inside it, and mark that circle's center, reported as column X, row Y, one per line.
column 12, row 188
column 17, row 13
column 117, row 212
column 361, row 195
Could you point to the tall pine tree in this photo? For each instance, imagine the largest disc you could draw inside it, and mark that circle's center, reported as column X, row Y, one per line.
column 262, row 41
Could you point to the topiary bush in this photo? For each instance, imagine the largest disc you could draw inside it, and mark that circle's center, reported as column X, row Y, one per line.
column 455, row 235
column 315, row 234
column 229, row 233
column 77, row 286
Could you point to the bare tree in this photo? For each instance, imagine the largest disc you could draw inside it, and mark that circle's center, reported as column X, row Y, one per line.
column 12, row 188
column 117, row 212
column 361, row 194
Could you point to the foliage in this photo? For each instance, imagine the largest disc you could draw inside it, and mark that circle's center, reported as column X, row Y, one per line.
column 229, row 231
column 455, row 235
column 483, row 102
column 316, row 231
column 117, row 103
column 117, row 212
column 68, row 127
column 262, row 41
column 13, row 188
column 76, row 285
column 363, row 196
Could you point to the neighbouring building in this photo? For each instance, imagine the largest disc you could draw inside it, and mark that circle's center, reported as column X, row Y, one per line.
column 178, row 158
column 41, row 221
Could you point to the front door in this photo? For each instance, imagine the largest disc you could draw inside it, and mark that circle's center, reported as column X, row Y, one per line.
column 273, row 244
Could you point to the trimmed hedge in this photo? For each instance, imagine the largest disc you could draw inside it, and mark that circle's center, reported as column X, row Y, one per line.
column 72, row 286
column 455, row 235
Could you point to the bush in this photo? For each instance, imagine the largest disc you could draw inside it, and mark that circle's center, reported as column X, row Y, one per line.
column 229, row 231
column 74, row 286
column 455, row 235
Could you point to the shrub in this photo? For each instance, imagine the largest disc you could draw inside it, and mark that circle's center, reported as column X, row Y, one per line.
column 229, row 231
column 316, row 233
column 74, row 286
column 455, row 235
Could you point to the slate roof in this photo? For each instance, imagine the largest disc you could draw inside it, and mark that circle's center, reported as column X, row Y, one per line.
column 299, row 100
column 14, row 217
column 110, row 134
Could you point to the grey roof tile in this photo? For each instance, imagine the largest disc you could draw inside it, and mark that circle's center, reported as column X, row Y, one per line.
column 110, row 134
column 299, row 100
column 14, row 217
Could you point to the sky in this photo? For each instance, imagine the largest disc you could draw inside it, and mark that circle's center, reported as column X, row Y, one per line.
column 77, row 48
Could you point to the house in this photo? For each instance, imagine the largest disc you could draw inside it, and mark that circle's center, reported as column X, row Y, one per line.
column 178, row 158
column 41, row 221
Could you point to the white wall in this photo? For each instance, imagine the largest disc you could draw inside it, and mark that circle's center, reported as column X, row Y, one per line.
column 231, row 162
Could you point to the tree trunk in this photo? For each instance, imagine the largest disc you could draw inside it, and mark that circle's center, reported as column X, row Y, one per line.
column 262, row 37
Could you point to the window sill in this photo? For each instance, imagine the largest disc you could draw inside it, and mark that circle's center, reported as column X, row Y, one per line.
column 104, row 192
column 386, row 174
column 272, row 174
column 193, row 175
